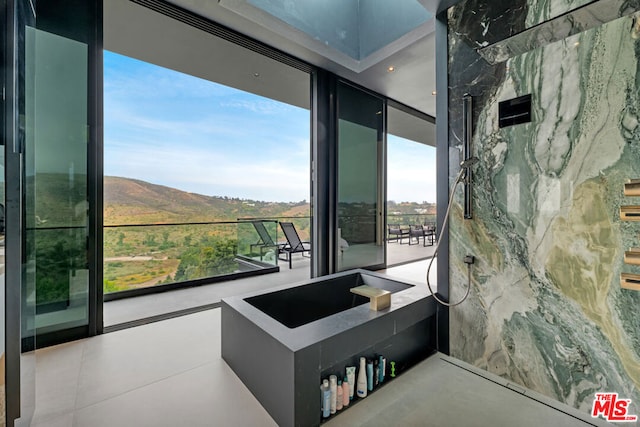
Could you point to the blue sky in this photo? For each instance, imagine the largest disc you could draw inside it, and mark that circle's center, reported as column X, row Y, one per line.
column 411, row 171
column 173, row 129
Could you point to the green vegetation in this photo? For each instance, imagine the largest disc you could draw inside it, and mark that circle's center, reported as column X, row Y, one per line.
column 410, row 213
column 58, row 254
column 152, row 254
column 213, row 257
column 140, row 246
column 146, row 252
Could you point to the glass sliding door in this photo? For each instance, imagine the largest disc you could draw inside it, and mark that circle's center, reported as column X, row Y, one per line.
column 411, row 185
column 56, row 182
column 360, row 178
column 60, row 143
column 4, row 48
column 19, row 292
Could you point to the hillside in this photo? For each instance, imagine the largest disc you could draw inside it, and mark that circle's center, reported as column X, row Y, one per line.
column 137, row 257
column 131, row 201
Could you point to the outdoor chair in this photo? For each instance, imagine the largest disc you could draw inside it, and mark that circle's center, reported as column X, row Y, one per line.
column 294, row 244
column 421, row 231
column 265, row 242
column 430, row 231
column 397, row 232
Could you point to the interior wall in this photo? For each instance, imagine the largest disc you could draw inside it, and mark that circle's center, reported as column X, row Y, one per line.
column 546, row 308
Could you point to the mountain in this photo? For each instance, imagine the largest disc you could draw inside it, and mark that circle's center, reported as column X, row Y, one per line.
column 131, row 201
column 61, row 202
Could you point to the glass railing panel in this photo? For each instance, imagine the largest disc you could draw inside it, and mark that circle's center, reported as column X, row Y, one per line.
column 301, row 223
column 142, row 256
column 411, row 219
column 61, row 276
column 257, row 241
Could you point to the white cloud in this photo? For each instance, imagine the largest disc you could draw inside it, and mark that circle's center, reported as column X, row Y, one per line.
column 411, row 171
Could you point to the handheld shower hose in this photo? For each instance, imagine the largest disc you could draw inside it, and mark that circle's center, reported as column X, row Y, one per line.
column 464, row 166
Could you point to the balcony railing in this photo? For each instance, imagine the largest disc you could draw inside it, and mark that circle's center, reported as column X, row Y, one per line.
column 411, row 219
column 144, row 258
column 302, row 224
column 147, row 258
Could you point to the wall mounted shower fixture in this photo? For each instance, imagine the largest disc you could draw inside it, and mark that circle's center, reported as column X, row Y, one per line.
column 632, row 256
column 632, row 188
column 514, row 111
column 465, row 166
column 630, row 281
column 467, row 135
column 630, row 213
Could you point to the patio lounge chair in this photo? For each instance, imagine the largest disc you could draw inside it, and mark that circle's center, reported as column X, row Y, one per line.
column 294, row 244
column 265, row 242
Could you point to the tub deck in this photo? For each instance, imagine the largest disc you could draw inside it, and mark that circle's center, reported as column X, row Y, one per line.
column 283, row 366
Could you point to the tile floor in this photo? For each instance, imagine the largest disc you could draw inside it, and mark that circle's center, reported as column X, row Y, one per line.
column 170, row 373
column 162, row 374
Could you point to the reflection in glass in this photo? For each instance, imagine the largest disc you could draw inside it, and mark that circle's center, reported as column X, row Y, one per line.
column 56, row 182
column 360, row 143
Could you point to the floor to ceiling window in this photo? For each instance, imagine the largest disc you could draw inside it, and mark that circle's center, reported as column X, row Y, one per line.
column 411, row 187
column 206, row 151
column 360, row 184
column 194, row 170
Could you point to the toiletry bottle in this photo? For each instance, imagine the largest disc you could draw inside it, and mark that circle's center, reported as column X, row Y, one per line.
column 346, row 391
column 361, row 388
column 376, row 373
column 351, row 378
column 326, row 402
column 369, row 375
column 333, row 386
column 381, row 369
column 339, row 397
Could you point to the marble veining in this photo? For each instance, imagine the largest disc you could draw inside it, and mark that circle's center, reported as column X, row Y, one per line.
column 546, row 309
column 579, row 18
column 482, row 23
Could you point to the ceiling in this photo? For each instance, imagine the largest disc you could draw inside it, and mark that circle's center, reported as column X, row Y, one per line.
column 412, row 83
column 136, row 31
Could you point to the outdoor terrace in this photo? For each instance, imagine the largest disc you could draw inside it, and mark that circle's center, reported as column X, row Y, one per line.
column 148, row 308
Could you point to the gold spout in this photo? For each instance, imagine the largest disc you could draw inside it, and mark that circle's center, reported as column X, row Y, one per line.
column 632, row 188
column 632, row 256
column 630, row 213
column 379, row 299
column 630, row 281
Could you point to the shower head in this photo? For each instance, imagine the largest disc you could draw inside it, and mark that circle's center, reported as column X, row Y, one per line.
column 469, row 162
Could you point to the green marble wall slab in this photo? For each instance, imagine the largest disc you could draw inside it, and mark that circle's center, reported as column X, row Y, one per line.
column 546, row 309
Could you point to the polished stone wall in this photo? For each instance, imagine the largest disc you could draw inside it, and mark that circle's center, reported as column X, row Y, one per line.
column 546, row 309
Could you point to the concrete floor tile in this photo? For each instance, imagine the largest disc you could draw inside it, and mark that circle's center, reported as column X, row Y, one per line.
column 62, row 420
column 122, row 361
column 205, row 396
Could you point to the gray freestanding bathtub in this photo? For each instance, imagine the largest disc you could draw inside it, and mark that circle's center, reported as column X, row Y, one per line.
column 282, row 343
